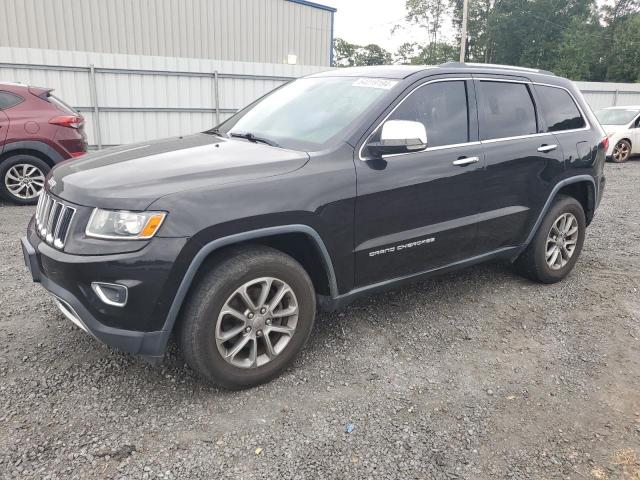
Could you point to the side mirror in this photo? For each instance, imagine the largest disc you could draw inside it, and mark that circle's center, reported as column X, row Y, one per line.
column 399, row 136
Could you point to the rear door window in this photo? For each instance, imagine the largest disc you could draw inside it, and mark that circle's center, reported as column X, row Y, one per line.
column 559, row 110
column 506, row 110
column 8, row 100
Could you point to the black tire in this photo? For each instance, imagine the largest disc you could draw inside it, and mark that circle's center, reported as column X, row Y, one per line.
column 196, row 334
column 532, row 262
column 624, row 152
column 8, row 164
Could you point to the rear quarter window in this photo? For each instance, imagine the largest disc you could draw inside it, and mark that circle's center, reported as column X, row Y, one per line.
column 8, row 100
column 558, row 109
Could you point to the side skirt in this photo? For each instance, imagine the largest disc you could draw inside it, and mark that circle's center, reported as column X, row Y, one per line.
column 330, row 304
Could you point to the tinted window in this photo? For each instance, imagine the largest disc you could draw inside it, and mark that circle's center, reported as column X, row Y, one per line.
column 8, row 100
column 442, row 108
column 559, row 110
column 506, row 110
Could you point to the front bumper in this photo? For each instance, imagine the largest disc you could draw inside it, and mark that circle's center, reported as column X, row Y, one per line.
column 136, row 328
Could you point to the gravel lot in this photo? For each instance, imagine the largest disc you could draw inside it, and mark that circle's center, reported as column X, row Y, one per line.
column 475, row 375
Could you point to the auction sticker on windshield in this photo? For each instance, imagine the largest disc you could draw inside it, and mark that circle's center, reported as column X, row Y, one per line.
column 375, row 83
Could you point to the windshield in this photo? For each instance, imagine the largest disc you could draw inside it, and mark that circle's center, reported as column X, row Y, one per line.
column 617, row 116
column 306, row 113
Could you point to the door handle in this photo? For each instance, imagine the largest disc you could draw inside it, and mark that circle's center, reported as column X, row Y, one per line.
column 461, row 162
column 547, row 148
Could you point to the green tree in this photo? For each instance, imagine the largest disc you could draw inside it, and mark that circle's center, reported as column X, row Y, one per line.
column 624, row 58
column 372, row 54
column 435, row 54
column 429, row 14
column 343, row 53
column 347, row 54
column 581, row 53
column 406, row 52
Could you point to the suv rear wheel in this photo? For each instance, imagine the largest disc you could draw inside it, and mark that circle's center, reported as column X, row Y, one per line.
column 555, row 248
column 22, row 178
column 248, row 318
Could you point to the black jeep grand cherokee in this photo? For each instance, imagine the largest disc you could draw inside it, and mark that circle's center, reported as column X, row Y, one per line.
column 332, row 186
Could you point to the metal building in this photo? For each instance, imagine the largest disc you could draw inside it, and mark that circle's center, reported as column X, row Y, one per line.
column 265, row 31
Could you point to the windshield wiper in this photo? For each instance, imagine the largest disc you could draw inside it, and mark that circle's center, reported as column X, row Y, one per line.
column 252, row 138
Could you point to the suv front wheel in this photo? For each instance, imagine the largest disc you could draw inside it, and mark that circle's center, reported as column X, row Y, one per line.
column 248, row 317
column 22, row 178
column 557, row 244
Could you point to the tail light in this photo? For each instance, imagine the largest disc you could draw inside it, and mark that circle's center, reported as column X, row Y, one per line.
column 77, row 154
column 605, row 143
column 71, row 121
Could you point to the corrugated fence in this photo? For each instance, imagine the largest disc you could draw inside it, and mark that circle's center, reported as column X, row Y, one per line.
column 130, row 98
column 602, row 95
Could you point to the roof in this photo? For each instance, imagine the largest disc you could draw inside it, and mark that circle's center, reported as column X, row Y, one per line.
column 378, row 71
column 403, row 71
column 314, row 5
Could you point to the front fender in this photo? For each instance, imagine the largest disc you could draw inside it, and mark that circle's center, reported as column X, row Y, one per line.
column 210, row 247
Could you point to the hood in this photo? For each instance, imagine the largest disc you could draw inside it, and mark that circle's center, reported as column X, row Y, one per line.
column 609, row 129
column 133, row 176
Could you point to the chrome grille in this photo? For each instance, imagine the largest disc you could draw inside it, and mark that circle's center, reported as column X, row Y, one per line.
column 53, row 219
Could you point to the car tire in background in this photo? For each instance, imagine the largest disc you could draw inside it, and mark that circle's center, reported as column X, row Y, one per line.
column 22, row 178
column 621, row 151
column 248, row 317
column 557, row 244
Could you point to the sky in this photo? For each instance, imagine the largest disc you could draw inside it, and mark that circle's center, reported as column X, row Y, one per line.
column 370, row 21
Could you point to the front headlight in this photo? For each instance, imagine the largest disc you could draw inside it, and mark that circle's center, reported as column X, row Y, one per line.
column 122, row 225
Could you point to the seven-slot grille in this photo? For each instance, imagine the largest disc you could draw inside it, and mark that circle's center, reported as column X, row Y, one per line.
column 53, row 219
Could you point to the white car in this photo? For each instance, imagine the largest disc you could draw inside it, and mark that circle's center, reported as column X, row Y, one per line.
column 622, row 125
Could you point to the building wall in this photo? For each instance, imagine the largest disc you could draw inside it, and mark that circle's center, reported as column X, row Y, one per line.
column 240, row 30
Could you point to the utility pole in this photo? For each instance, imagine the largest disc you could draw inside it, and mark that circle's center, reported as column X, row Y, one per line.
column 463, row 36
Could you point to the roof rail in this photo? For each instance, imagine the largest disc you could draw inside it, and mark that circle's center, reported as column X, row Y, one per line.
column 495, row 65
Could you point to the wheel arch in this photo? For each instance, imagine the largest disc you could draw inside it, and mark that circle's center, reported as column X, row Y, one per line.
column 581, row 187
column 278, row 237
column 37, row 149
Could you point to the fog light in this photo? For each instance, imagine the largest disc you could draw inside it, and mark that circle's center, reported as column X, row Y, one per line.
column 111, row 293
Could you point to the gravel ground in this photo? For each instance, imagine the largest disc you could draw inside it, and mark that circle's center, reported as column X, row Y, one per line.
column 474, row 375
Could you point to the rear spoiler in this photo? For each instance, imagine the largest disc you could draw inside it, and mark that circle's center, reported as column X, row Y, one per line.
column 41, row 92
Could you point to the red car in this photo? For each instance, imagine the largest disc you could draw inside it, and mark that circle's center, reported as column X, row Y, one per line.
column 37, row 130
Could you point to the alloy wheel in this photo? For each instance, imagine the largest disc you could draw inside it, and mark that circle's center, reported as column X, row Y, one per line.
column 256, row 322
column 561, row 241
column 24, row 181
column 621, row 152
